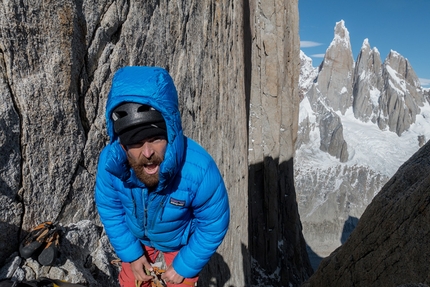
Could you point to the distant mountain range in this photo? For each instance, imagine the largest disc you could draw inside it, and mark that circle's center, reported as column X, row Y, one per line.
column 359, row 122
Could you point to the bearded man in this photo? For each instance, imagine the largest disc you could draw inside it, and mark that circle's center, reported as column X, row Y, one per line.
column 157, row 190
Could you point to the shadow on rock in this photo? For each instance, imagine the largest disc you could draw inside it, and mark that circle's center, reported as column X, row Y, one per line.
column 216, row 273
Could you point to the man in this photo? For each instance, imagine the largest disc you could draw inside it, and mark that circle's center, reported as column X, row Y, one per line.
column 157, row 190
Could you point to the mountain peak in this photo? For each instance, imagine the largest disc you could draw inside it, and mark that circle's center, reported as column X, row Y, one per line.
column 403, row 67
column 307, row 73
column 366, row 44
column 341, row 33
column 340, row 24
column 394, row 54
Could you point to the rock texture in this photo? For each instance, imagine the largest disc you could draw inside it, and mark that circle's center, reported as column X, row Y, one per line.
column 368, row 83
column 391, row 244
column 230, row 61
column 274, row 224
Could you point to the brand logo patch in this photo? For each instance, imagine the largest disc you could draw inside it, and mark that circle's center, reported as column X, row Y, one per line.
column 177, row 202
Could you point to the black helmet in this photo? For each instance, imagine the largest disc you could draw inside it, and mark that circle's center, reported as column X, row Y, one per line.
column 134, row 122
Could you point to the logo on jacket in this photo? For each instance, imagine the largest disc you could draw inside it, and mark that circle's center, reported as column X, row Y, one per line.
column 177, row 202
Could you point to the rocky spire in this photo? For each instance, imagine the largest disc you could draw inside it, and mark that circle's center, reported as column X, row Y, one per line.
column 335, row 76
column 401, row 96
column 367, row 83
column 332, row 91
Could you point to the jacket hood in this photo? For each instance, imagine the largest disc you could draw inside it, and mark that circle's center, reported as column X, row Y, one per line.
column 151, row 86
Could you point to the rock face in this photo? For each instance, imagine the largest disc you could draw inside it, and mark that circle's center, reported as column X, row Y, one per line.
column 335, row 75
column 368, row 83
column 391, row 244
column 57, row 59
column 331, row 132
column 388, row 94
column 337, row 173
column 401, row 97
column 274, row 220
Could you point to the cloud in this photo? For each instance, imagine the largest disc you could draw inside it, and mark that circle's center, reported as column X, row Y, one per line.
column 424, row 82
column 309, row 44
column 318, row 55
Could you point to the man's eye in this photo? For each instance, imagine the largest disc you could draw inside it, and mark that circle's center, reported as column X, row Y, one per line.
column 136, row 145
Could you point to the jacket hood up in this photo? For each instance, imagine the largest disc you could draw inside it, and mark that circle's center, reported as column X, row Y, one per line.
column 151, row 86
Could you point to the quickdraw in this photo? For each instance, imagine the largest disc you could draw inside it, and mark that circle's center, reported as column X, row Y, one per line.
column 156, row 277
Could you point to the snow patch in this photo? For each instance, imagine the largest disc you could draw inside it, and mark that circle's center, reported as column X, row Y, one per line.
column 374, row 95
column 397, row 79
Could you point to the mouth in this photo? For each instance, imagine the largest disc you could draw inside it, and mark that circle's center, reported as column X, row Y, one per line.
column 151, row 168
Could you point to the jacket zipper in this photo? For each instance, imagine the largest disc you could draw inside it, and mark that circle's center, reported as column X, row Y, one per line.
column 159, row 212
column 162, row 204
column 145, row 208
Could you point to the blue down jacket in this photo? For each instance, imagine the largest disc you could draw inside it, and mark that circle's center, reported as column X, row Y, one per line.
column 189, row 210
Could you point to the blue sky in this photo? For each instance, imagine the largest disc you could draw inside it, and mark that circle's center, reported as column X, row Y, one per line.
column 399, row 25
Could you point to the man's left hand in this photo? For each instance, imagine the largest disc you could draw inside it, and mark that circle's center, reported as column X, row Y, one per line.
column 170, row 276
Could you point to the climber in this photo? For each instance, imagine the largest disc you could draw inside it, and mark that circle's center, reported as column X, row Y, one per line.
column 156, row 189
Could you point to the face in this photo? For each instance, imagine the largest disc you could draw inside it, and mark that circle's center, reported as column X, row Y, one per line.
column 145, row 158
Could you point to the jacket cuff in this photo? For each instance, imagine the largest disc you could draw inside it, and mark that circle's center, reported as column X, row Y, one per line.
column 131, row 253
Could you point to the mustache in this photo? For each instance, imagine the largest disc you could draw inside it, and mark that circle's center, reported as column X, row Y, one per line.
column 138, row 166
column 143, row 161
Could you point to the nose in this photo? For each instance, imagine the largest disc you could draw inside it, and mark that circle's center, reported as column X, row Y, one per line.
column 147, row 150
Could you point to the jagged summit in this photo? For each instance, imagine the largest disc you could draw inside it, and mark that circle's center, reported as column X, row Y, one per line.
column 404, row 68
column 394, row 53
column 365, row 44
column 386, row 93
column 341, row 34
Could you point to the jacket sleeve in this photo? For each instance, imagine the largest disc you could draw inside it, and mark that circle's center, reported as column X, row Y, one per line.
column 112, row 213
column 212, row 216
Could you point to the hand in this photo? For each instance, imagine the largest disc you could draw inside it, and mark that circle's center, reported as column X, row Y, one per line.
column 138, row 267
column 170, row 276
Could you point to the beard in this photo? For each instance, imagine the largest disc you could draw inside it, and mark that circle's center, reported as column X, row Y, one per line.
column 150, row 180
